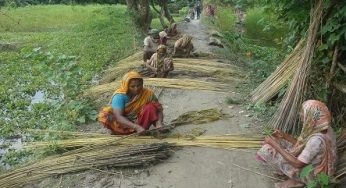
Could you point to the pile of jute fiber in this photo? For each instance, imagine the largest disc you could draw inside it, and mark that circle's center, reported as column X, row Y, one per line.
column 86, row 159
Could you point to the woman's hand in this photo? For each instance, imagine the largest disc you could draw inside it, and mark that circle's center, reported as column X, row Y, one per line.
column 139, row 129
column 271, row 141
column 268, row 140
column 278, row 134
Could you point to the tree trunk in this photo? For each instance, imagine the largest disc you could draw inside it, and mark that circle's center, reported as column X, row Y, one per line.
column 140, row 10
column 160, row 12
column 164, row 6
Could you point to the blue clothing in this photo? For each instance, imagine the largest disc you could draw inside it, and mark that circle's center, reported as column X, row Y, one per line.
column 119, row 101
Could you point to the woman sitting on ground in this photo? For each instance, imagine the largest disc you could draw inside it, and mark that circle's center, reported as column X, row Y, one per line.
column 315, row 146
column 172, row 30
column 163, row 37
column 149, row 45
column 183, row 45
column 133, row 108
column 161, row 62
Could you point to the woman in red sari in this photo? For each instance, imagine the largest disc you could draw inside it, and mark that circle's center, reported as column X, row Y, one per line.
column 133, row 108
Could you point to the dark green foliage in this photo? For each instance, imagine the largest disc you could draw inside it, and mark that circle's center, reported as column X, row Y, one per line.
column 19, row 3
column 322, row 180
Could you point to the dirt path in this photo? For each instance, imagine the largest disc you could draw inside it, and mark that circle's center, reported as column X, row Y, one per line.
column 190, row 167
column 204, row 167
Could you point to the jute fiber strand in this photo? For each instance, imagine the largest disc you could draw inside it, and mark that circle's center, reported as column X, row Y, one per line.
column 122, row 67
column 210, row 67
column 89, row 158
column 280, row 77
column 287, row 114
column 198, row 117
column 161, row 82
column 340, row 174
column 221, row 141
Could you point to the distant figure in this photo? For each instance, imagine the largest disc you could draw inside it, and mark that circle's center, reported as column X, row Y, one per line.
column 198, row 9
column 192, row 13
column 161, row 62
column 210, row 10
column 183, row 45
column 149, row 46
column 163, row 37
column 172, row 29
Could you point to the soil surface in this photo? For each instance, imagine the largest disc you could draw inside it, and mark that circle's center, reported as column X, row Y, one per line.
column 189, row 167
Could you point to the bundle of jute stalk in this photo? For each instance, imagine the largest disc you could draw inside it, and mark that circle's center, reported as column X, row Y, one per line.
column 76, row 140
column 280, row 77
column 340, row 174
column 209, row 67
column 286, row 116
column 161, row 82
column 122, row 67
column 86, row 159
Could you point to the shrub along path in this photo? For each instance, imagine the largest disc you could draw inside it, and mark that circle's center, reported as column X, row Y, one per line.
column 190, row 166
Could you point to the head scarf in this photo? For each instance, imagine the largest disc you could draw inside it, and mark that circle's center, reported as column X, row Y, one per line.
column 317, row 118
column 132, row 109
column 126, row 81
column 161, row 48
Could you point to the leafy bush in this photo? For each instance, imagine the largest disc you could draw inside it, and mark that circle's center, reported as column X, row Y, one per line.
column 321, row 180
column 176, row 6
column 225, row 19
column 184, row 11
column 264, row 25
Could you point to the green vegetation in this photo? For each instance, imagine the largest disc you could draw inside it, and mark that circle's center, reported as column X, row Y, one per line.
column 231, row 100
column 57, row 51
column 155, row 23
column 264, row 26
column 321, row 180
column 225, row 19
column 258, row 49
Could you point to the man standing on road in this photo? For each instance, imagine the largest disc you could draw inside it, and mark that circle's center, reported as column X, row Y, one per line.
column 198, row 9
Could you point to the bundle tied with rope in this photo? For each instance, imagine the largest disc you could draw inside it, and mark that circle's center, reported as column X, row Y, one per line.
column 87, row 151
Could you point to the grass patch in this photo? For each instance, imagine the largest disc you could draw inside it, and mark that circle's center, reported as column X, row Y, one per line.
column 45, row 18
column 258, row 50
column 264, row 26
column 225, row 19
column 155, row 23
column 231, row 100
column 62, row 48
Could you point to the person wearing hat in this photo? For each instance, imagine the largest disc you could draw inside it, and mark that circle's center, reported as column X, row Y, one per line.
column 149, row 46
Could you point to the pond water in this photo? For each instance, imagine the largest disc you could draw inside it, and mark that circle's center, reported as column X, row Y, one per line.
column 6, row 145
column 37, row 98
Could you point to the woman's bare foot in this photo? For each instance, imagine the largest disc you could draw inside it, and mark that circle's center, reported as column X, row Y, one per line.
column 158, row 125
column 291, row 183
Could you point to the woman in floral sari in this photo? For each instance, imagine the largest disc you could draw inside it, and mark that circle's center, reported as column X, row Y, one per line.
column 183, row 46
column 160, row 62
column 315, row 146
column 133, row 108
